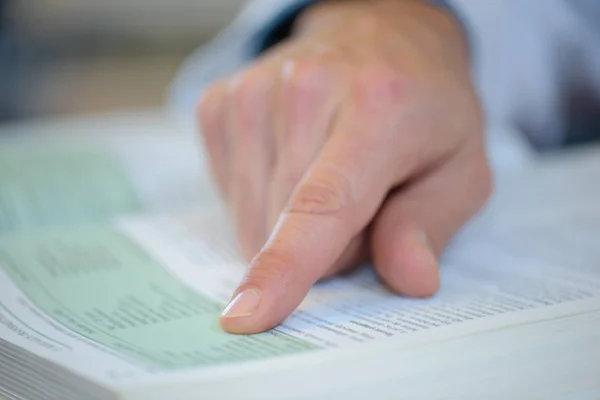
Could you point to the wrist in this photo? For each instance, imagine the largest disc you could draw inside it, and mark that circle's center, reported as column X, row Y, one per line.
column 319, row 12
column 432, row 20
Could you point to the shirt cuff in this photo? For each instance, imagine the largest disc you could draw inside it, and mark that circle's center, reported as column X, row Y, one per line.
column 281, row 26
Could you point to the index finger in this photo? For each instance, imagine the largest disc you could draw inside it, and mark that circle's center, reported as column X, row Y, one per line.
column 337, row 199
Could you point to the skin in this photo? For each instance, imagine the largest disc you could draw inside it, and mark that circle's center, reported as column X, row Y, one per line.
column 358, row 138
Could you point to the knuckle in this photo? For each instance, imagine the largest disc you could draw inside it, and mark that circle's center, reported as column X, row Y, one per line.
column 307, row 77
column 248, row 100
column 250, row 88
column 379, row 86
column 328, row 195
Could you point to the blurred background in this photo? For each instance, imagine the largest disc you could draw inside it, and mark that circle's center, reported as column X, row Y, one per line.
column 69, row 57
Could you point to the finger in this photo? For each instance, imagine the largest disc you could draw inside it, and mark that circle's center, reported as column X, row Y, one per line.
column 337, row 198
column 211, row 122
column 307, row 103
column 415, row 224
column 249, row 139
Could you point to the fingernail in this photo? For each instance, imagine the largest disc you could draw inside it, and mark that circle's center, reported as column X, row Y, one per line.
column 243, row 305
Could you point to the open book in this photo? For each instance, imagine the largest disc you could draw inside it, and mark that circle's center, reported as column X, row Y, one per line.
column 116, row 260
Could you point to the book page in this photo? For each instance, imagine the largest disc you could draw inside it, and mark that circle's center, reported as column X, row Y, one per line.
column 40, row 187
column 482, row 282
column 141, row 297
column 46, row 182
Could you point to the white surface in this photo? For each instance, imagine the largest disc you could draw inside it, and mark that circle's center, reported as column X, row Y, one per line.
column 165, row 161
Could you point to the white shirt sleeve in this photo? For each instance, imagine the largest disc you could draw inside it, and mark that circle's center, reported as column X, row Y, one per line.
column 528, row 56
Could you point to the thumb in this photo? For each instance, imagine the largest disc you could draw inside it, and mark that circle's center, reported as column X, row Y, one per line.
column 335, row 201
column 415, row 224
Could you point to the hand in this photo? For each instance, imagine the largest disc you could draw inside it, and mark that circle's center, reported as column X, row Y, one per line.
column 360, row 137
